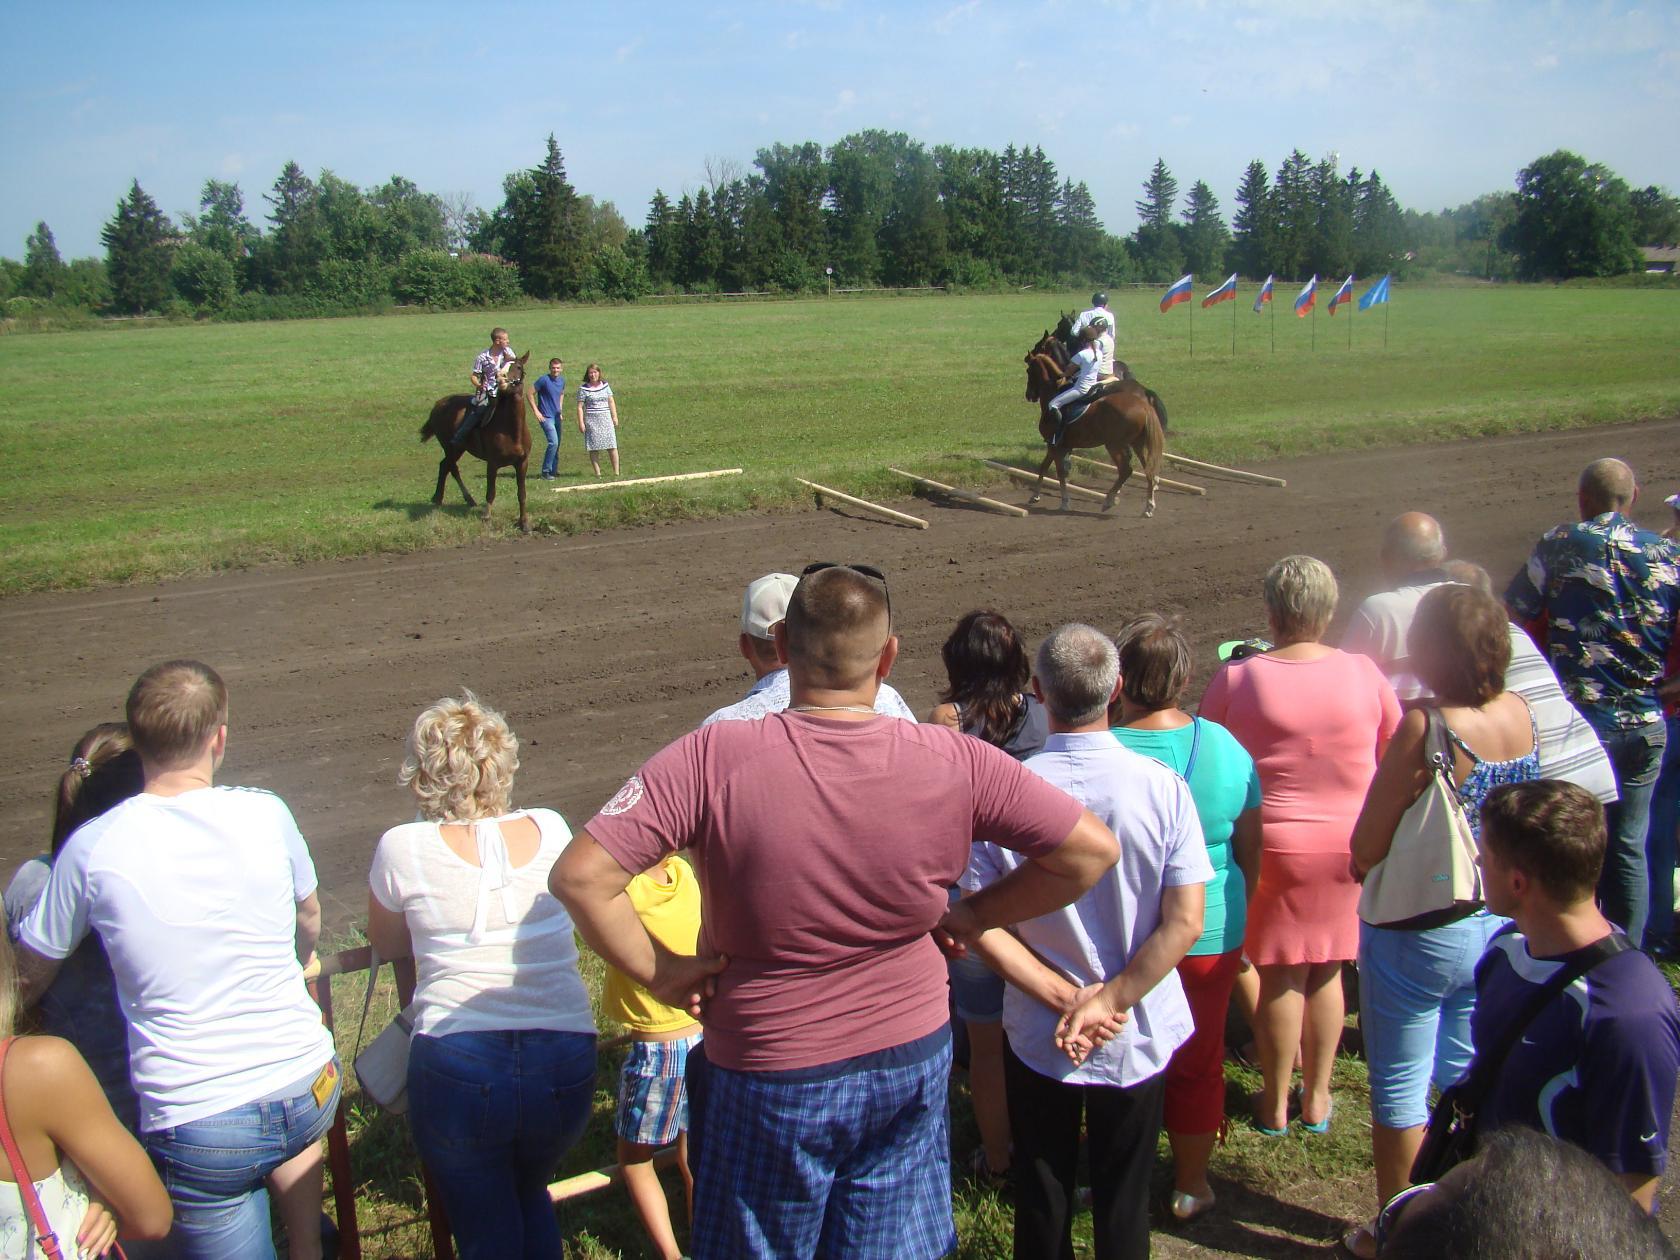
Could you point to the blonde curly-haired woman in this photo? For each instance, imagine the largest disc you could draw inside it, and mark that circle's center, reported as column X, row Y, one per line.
column 502, row 1069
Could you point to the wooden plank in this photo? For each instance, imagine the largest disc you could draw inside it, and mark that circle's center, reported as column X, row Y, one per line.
column 644, row 481
column 1022, row 474
column 903, row 518
column 601, row 1178
column 1166, row 483
column 967, row 496
column 1238, row 473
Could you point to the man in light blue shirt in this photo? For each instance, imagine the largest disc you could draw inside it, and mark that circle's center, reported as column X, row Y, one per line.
column 550, row 391
column 762, row 609
column 1094, row 1018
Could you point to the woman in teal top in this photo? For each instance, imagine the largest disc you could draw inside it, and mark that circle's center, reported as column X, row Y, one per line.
column 1154, row 672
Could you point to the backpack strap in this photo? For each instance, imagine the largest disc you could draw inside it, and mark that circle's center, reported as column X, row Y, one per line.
column 45, row 1239
column 1195, row 747
column 1485, row 1067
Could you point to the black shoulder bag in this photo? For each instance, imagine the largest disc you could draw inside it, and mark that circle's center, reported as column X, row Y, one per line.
column 1451, row 1136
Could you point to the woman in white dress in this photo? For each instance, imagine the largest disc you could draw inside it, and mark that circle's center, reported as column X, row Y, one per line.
column 75, row 1148
column 598, row 418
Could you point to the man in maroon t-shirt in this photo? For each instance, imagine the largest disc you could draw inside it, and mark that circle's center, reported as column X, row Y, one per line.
column 825, row 838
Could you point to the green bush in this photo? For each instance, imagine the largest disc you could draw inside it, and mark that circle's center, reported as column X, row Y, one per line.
column 352, row 284
column 203, row 277
column 618, row 277
column 439, row 279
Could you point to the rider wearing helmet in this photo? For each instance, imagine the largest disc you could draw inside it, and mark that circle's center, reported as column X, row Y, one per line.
column 1099, row 308
column 1086, row 368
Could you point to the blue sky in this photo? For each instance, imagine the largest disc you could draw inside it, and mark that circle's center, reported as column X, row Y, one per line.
column 1447, row 99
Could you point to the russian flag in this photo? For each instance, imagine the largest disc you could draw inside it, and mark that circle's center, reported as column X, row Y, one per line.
column 1306, row 299
column 1343, row 294
column 1226, row 292
column 1180, row 292
column 1265, row 295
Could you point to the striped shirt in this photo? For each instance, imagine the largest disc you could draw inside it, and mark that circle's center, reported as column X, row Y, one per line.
column 1569, row 747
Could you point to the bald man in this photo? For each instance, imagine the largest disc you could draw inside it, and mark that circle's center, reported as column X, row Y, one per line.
column 825, row 836
column 1601, row 596
column 1413, row 550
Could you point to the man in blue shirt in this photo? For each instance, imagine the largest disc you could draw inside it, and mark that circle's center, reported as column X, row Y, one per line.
column 1597, row 1066
column 1600, row 598
column 551, row 389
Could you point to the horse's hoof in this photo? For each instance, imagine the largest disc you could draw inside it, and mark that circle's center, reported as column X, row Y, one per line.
column 438, row 501
column 524, row 527
column 1108, row 503
column 1034, row 499
column 1148, row 511
column 1066, row 506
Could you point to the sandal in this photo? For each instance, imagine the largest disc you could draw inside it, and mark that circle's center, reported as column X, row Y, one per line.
column 1187, row 1207
column 1360, row 1242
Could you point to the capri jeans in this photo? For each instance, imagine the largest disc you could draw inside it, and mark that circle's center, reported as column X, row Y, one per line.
column 1416, row 992
column 1195, row 1101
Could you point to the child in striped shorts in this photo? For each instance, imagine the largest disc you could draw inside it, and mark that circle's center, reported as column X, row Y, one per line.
column 652, row 1099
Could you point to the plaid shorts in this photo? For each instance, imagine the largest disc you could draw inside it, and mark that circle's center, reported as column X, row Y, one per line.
column 652, row 1099
column 846, row 1160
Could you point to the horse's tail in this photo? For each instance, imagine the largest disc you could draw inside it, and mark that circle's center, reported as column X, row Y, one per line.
column 426, row 429
column 1160, row 407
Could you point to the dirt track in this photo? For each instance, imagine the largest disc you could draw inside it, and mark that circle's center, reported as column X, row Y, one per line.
column 600, row 648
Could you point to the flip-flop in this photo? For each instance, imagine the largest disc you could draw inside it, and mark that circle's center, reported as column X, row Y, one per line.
column 1187, row 1207
column 1254, row 1120
column 1360, row 1243
column 1323, row 1126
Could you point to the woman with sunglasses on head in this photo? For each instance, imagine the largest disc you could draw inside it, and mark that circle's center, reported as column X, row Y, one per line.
column 988, row 697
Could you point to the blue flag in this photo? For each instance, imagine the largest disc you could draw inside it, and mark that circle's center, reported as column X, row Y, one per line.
column 1378, row 292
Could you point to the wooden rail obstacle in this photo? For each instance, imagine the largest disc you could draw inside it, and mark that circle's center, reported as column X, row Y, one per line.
column 644, row 481
column 1166, row 483
column 957, row 492
column 902, row 518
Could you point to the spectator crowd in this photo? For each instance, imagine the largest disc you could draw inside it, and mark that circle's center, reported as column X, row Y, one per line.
column 811, row 906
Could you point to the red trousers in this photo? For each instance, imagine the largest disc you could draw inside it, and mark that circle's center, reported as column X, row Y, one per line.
column 1196, row 1076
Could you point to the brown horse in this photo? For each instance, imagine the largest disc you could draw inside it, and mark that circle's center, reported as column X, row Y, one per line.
column 1128, row 419
column 502, row 438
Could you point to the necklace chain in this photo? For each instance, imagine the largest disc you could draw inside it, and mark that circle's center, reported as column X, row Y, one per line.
column 829, row 708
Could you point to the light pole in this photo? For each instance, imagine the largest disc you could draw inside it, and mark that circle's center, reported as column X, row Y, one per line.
column 828, row 278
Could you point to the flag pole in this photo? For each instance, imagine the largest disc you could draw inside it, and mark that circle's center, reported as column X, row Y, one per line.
column 1192, row 306
column 1315, row 324
column 1386, row 304
column 1272, row 306
column 1350, row 320
column 1233, row 323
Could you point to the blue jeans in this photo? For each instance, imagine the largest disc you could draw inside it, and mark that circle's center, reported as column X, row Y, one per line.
column 491, row 1114
column 1416, row 992
column 1624, row 889
column 1660, row 843
column 214, row 1169
column 551, row 456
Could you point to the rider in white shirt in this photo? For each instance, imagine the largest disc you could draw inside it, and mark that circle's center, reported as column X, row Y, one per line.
column 1086, row 366
column 1099, row 306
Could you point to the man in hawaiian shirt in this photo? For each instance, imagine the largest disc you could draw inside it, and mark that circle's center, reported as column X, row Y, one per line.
column 1601, row 597
column 487, row 383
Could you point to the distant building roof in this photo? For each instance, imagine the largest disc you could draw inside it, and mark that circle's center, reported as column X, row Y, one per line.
column 1661, row 253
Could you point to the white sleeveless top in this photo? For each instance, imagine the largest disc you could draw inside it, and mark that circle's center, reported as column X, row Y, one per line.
column 64, row 1199
column 493, row 949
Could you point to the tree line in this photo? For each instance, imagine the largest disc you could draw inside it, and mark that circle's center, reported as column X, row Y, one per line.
column 876, row 208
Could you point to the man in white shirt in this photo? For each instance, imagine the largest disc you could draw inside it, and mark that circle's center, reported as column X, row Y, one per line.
column 1413, row 550
column 1099, row 306
column 763, row 608
column 205, row 900
column 1106, row 962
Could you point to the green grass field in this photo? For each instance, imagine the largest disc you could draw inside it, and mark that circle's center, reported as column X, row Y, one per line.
column 138, row 453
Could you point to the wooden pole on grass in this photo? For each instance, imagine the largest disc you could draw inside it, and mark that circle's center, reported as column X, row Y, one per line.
column 968, row 496
column 1166, row 483
column 1241, row 475
column 644, row 481
column 601, row 1178
column 903, row 518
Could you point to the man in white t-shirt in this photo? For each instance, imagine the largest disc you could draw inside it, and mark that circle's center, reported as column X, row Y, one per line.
column 1413, row 550
column 763, row 608
column 205, row 900
column 1100, row 968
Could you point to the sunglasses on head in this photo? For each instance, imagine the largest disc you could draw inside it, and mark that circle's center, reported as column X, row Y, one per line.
column 867, row 570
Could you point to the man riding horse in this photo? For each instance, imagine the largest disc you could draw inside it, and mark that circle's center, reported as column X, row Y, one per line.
column 487, row 372
column 1089, row 368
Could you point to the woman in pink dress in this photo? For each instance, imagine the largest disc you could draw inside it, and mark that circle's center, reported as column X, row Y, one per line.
column 1316, row 721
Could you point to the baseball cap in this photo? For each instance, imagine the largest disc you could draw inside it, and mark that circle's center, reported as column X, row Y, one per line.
column 1239, row 649
column 1673, row 501
column 766, row 603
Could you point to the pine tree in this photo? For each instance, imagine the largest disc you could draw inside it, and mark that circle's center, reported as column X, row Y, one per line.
column 1297, row 218
column 1254, row 226
column 1156, row 243
column 292, row 253
column 1205, row 237
column 139, row 241
column 545, row 235
column 1081, row 233
column 43, row 269
column 1331, row 250
column 702, row 252
column 664, row 241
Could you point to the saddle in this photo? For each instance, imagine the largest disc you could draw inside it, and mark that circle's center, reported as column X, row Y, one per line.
column 1101, row 389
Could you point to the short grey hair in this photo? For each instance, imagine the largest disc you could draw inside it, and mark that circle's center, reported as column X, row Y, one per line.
column 1077, row 667
column 1301, row 597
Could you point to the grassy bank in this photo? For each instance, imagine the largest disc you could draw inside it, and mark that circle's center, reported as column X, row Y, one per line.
column 151, row 452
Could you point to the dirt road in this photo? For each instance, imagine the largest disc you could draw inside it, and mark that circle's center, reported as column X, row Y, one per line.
column 601, row 648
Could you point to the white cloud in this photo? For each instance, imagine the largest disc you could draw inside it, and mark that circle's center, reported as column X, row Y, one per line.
column 231, row 164
column 957, row 13
column 625, row 51
column 843, row 102
column 1546, row 61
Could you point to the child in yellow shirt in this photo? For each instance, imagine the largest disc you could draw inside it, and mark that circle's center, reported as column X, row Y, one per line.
column 652, row 1099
